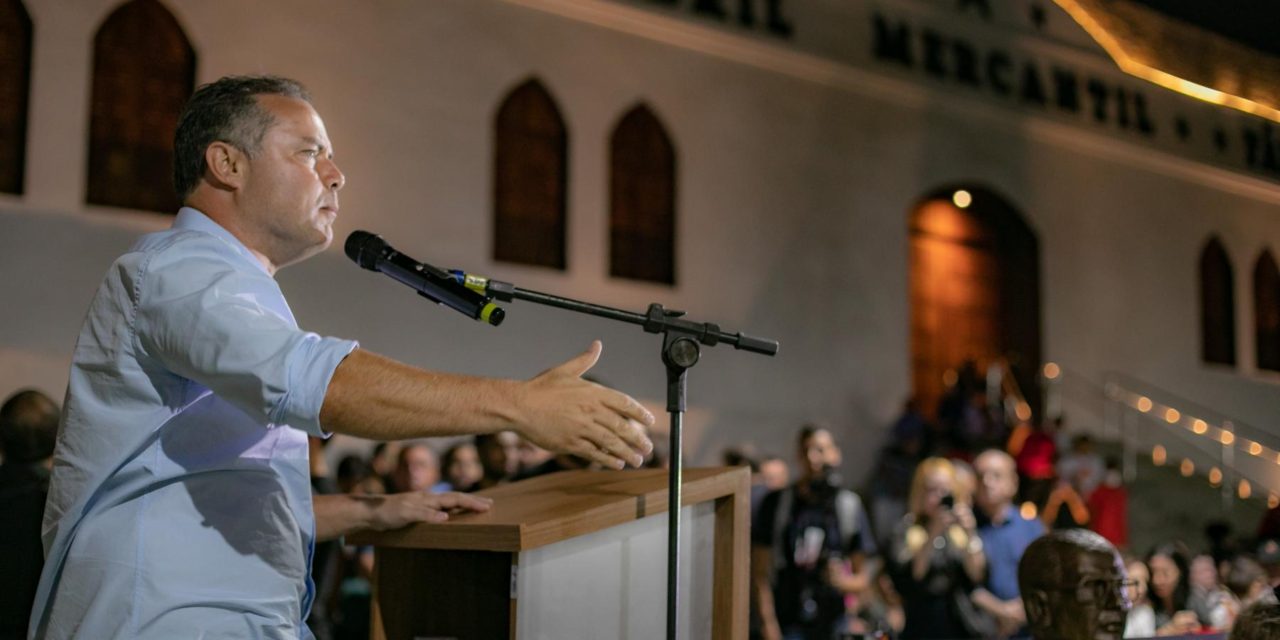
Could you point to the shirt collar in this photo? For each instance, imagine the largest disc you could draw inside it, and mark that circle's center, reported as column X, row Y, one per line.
column 190, row 219
column 1009, row 513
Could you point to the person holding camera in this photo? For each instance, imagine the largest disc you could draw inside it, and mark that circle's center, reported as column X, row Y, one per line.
column 809, row 543
column 936, row 558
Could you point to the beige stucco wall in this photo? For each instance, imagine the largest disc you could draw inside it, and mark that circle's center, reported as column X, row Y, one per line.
column 795, row 180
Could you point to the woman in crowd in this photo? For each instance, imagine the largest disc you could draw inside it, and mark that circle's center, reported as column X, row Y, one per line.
column 1210, row 600
column 936, row 557
column 1170, row 588
column 1141, row 622
column 462, row 467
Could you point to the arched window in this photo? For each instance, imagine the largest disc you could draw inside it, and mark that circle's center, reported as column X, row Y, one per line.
column 1217, row 305
column 143, row 72
column 15, row 88
column 529, row 178
column 642, row 199
column 1266, row 311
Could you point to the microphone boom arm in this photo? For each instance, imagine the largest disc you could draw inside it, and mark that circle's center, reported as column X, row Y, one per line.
column 655, row 320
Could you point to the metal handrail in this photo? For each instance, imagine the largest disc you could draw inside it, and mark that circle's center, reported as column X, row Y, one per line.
column 1186, row 405
column 1126, row 397
column 1012, row 391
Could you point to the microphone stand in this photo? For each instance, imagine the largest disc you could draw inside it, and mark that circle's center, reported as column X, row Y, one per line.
column 681, row 340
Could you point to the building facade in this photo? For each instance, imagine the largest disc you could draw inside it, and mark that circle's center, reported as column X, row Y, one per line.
column 816, row 146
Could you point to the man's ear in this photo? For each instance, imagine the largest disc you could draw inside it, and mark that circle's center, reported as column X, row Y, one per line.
column 1039, row 614
column 225, row 165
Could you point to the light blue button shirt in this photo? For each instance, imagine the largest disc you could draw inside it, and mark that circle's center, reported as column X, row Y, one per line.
column 180, row 500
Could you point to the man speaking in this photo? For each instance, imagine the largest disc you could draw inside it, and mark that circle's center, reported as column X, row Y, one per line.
column 179, row 503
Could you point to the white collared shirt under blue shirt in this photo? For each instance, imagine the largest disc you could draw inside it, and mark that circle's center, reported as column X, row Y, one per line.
column 180, row 500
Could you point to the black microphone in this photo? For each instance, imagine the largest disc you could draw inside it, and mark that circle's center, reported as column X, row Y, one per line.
column 373, row 253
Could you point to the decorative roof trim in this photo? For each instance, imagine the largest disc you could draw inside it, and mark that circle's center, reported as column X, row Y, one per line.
column 1181, row 57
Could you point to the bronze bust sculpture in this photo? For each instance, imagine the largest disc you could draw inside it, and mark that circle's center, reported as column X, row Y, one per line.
column 1073, row 586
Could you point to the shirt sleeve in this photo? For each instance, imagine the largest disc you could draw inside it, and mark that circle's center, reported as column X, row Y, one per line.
column 204, row 316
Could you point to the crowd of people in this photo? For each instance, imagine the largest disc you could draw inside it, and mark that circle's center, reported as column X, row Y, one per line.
column 933, row 553
column 948, row 567
column 953, row 505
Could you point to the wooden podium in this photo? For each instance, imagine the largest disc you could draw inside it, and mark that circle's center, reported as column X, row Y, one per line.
column 571, row 555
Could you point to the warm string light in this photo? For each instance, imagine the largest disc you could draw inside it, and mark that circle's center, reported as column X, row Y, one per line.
column 1224, row 434
column 1028, row 510
column 1052, row 371
column 1023, row 411
column 962, row 198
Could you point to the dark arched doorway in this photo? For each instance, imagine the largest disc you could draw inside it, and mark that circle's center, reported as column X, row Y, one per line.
column 975, row 292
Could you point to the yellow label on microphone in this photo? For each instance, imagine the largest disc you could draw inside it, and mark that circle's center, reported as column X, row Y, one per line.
column 477, row 284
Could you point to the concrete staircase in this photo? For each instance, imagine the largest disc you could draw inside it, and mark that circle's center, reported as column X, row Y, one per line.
column 1164, row 505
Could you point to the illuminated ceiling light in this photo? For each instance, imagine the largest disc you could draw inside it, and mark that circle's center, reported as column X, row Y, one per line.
column 1187, row 467
column 1140, row 69
column 1171, row 415
column 962, row 198
column 1255, row 448
column 1158, row 456
column 1200, row 426
column 1144, row 404
column 1051, row 371
column 1215, row 476
column 1273, row 501
column 1244, row 490
column 1227, row 437
column 1028, row 510
column 1024, row 411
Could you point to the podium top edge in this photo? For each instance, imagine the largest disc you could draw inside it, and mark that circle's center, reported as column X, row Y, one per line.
column 544, row 510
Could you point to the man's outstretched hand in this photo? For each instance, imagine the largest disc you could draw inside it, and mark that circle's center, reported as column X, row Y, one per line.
column 342, row 513
column 399, row 509
column 560, row 411
column 371, row 396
